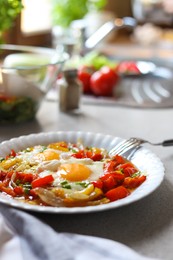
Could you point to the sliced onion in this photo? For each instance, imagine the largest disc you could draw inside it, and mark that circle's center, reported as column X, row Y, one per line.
column 12, row 184
column 49, row 197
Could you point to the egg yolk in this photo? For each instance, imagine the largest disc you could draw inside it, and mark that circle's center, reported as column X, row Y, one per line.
column 74, row 172
column 47, row 155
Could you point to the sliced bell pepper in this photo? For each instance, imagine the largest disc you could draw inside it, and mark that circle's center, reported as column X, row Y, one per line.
column 43, row 181
column 117, row 193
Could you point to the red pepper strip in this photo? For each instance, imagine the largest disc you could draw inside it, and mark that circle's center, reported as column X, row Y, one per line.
column 39, row 182
column 79, row 155
column 88, row 154
column 7, row 190
column 12, row 153
column 117, row 193
column 133, row 183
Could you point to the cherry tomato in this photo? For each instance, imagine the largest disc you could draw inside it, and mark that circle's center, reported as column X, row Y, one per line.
column 84, row 75
column 103, row 81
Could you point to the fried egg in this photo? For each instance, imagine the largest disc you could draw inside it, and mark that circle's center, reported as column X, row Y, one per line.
column 72, row 170
column 62, row 166
column 75, row 172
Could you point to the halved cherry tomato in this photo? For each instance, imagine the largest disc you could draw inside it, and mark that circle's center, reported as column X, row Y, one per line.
column 40, row 182
column 117, row 193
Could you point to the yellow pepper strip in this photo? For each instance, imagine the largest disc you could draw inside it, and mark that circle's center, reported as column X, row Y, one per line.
column 61, row 146
column 89, row 193
column 7, row 164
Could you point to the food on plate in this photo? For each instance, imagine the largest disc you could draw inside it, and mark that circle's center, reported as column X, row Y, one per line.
column 64, row 174
column 16, row 109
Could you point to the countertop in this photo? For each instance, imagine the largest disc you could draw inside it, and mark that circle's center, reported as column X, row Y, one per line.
column 146, row 225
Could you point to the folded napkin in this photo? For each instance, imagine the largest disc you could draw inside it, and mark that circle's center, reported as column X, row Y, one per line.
column 24, row 237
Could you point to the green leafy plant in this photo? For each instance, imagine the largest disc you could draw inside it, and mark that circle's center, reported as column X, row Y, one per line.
column 66, row 11
column 9, row 9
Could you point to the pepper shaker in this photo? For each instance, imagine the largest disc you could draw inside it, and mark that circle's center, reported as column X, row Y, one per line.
column 70, row 90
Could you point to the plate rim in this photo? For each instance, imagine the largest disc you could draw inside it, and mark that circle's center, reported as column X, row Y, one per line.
column 74, row 210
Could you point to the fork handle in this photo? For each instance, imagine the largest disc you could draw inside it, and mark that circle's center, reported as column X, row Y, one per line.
column 167, row 142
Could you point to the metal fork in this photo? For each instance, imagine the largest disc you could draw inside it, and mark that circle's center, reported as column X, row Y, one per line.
column 133, row 144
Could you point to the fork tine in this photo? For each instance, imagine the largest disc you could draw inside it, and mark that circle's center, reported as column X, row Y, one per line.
column 127, row 148
column 124, row 146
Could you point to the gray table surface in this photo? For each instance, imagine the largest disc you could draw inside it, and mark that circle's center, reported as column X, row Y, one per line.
column 146, row 225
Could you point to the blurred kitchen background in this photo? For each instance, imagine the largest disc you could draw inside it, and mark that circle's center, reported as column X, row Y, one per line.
column 136, row 31
column 39, row 22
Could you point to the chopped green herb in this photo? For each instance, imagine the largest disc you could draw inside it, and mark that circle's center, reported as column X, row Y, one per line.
column 26, row 191
column 83, row 184
column 43, row 148
column 136, row 174
column 74, row 150
column 65, row 185
column 18, row 182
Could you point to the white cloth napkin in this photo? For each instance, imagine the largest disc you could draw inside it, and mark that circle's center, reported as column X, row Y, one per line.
column 24, row 237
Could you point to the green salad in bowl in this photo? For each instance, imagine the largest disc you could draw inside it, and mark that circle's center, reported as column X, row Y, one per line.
column 26, row 75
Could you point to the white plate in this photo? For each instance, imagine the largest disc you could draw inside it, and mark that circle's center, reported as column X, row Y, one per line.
column 144, row 159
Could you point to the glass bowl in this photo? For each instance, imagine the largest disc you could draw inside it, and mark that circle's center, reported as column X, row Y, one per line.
column 27, row 73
